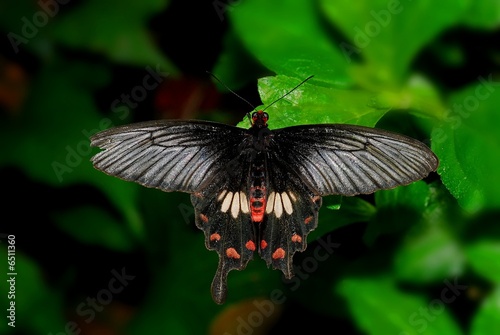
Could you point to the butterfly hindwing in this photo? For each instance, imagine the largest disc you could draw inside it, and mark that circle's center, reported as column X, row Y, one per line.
column 222, row 211
column 291, row 214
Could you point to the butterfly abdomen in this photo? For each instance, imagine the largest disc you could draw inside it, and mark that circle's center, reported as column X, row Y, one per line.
column 257, row 203
column 258, row 189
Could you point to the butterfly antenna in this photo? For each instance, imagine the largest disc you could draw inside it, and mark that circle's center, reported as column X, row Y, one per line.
column 293, row 89
column 236, row 94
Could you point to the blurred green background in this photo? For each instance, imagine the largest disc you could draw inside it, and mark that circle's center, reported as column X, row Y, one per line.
column 97, row 255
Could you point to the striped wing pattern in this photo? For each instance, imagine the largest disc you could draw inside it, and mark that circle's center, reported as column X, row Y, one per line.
column 168, row 155
column 350, row 160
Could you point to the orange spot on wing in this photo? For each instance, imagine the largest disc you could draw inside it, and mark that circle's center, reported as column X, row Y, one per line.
column 204, row 218
column 279, row 253
column 232, row 253
column 263, row 244
column 250, row 245
column 296, row 238
column 308, row 219
column 214, row 237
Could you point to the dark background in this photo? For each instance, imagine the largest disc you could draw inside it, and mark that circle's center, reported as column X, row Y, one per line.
column 75, row 228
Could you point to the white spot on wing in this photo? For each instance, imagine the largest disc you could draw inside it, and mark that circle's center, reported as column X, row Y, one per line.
column 235, row 206
column 287, row 204
column 227, row 202
column 278, row 206
column 244, row 203
column 292, row 196
column 221, row 195
column 270, row 203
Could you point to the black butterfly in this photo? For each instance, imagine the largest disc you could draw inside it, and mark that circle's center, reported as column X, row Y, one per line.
column 258, row 189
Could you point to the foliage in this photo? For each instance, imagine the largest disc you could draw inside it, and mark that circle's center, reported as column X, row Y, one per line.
column 419, row 259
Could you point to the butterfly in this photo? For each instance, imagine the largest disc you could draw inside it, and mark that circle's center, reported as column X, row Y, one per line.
column 259, row 190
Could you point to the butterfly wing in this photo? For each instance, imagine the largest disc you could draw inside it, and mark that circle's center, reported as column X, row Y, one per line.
column 205, row 159
column 291, row 213
column 222, row 212
column 350, row 160
column 307, row 162
column 168, row 155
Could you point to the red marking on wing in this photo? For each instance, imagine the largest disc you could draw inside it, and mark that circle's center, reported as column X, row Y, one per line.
column 308, row 219
column 204, row 218
column 296, row 238
column 250, row 245
column 263, row 244
column 214, row 237
column 279, row 253
column 232, row 253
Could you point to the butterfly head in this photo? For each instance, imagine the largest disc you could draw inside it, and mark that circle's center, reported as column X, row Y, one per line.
column 259, row 119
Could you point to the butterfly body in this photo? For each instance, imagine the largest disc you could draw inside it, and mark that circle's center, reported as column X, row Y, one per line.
column 259, row 190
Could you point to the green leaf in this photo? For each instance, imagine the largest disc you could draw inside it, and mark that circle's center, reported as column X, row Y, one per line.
column 484, row 258
column 379, row 308
column 486, row 320
column 397, row 209
column 419, row 96
column 287, row 37
column 235, row 66
column 429, row 256
column 349, row 210
column 92, row 225
column 467, row 142
column 117, row 31
column 384, row 32
column 484, row 14
column 52, row 134
column 415, row 196
column 311, row 104
column 430, row 250
column 31, row 291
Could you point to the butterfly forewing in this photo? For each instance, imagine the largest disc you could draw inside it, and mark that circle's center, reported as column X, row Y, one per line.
column 169, row 155
column 350, row 160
